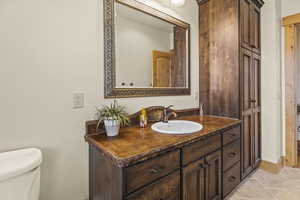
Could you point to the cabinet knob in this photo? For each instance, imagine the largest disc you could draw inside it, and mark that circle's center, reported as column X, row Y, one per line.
column 231, row 178
column 201, row 165
column 154, row 171
column 232, row 155
column 233, row 134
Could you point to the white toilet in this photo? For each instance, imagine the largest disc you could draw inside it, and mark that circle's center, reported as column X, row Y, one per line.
column 20, row 174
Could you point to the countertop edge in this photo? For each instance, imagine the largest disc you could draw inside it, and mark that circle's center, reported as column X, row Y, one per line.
column 125, row 162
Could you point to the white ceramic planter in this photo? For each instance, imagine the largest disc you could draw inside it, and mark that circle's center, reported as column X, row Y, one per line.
column 112, row 127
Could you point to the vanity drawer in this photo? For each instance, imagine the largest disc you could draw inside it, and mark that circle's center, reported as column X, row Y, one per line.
column 150, row 170
column 231, row 135
column 231, row 154
column 166, row 188
column 200, row 148
column 231, row 179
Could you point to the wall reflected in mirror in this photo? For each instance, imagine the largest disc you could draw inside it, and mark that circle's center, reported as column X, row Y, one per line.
column 150, row 52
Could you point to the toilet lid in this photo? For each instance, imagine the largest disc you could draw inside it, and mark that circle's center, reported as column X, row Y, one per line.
column 15, row 163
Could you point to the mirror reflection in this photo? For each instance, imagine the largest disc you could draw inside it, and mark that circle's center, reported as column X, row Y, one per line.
column 150, row 52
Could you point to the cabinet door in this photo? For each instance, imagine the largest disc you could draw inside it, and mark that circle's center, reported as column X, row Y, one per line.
column 193, row 181
column 256, row 105
column 247, row 95
column 255, row 29
column 246, row 81
column 213, row 176
column 245, row 15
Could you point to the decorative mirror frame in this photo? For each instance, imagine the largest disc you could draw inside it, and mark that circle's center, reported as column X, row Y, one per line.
column 110, row 91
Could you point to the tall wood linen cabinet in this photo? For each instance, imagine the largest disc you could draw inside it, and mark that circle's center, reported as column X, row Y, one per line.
column 230, row 66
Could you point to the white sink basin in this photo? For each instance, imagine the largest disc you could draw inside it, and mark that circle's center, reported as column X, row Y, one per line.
column 177, row 127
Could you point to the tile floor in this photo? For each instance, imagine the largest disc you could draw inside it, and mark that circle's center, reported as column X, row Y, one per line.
column 266, row 186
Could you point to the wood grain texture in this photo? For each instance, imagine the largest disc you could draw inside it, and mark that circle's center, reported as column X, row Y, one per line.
column 150, row 170
column 135, row 144
column 245, row 23
column 198, row 149
column 231, row 135
column 290, row 95
column 230, row 66
column 291, row 20
column 180, row 58
column 214, row 176
column 250, row 37
column 201, row 180
column 231, row 154
column 219, row 60
column 167, row 188
column 231, row 179
column 162, row 69
column 255, row 37
column 105, row 178
column 193, row 181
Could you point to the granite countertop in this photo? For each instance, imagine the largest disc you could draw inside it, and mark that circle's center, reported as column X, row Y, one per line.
column 135, row 144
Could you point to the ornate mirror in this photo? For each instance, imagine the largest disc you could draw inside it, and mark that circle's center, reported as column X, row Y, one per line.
column 146, row 51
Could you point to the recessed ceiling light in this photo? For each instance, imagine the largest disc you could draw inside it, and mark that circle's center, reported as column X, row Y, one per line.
column 178, row 3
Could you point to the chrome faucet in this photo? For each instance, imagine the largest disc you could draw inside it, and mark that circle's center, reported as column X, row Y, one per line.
column 166, row 115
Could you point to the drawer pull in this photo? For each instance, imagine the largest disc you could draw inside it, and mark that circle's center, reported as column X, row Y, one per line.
column 231, row 179
column 231, row 155
column 233, row 134
column 154, row 171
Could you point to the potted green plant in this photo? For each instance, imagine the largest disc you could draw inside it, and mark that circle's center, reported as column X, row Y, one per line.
column 113, row 117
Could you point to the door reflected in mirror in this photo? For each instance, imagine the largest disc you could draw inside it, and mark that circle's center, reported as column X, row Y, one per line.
column 150, row 52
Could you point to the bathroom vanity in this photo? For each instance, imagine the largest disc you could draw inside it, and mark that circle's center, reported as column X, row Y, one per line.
column 141, row 164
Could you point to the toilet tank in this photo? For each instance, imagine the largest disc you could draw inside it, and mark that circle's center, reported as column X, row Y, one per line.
column 20, row 174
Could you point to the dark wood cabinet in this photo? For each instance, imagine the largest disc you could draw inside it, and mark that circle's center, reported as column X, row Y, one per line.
column 201, row 180
column 230, row 69
column 213, row 176
column 245, row 23
column 255, row 38
column 206, row 174
column 166, row 188
column 231, row 179
column 148, row 171
column 256, row 108
column 193, row 181
column 250, row 25
column 251, row 137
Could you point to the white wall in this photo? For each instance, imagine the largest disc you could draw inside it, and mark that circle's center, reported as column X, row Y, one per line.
column 50, row 49
column 271, row 82
column 135, row 42
column 290, row 7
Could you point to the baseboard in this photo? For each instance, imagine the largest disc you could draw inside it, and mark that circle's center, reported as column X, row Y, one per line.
column 274, row 168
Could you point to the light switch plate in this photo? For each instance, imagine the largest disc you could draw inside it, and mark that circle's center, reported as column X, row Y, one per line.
column 78, row 100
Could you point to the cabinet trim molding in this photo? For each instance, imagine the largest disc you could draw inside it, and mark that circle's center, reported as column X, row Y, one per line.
column 289, row 86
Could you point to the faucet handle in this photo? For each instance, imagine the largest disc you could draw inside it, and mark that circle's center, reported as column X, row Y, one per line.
column 201, row 112
column 167, row 107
